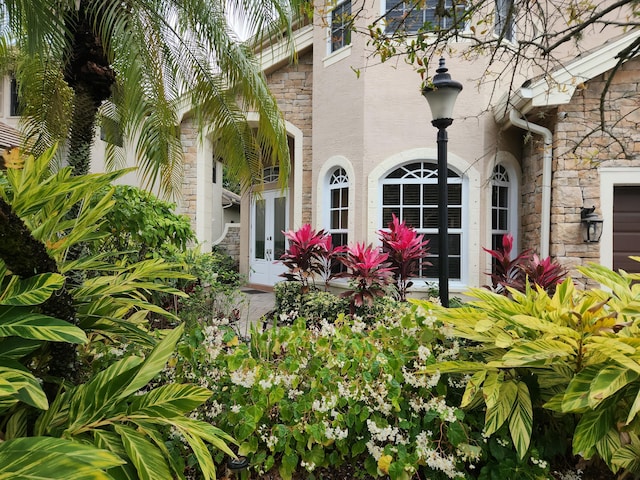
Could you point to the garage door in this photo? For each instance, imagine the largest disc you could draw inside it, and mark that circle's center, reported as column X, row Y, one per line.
column 626, row 227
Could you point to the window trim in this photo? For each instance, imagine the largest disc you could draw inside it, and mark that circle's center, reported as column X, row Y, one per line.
column 474, row 183
column 330, row 50
column 384, row 10
column 323, row 198
column 464, row 206
column 496, row 18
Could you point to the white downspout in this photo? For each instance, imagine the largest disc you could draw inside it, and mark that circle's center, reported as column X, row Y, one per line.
column 545, row 227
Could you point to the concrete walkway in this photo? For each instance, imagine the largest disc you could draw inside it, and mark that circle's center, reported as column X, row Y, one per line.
column 253, row 305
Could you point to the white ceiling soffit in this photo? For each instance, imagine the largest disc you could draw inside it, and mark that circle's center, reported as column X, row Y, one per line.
column 558, row 89
column 281, row 51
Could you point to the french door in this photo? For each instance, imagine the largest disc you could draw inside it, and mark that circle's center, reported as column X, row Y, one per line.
column 269, row 219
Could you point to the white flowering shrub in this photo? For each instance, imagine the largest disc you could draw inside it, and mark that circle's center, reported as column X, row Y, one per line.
column 301, row 399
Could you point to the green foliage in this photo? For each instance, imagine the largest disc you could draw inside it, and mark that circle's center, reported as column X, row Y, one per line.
column 313, row 306
column 341, row 394
column 111, row 295
column 141, row 223
column 114, row 425
column 106, row 411
column 575, row 352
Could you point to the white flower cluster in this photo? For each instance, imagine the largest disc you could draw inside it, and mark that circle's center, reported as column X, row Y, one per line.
column 460, row 382
column 434, row 459
column 357, row 325
column 327, row 329
column 243, row 378
column 420, row 380
column 385, row 434
column 310, row 467
column 325, row 405
column 334, row 433
column 423, row 353
column 212, row 342
column 569, row 475
column 267, row 437
column 277, row 379
column 435, row 404
column 539, row 462
column 376, row 395
column 451, row 353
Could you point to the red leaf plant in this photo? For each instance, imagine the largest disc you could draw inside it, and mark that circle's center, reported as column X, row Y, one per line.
column 305, row 255
column 369, row 271
column 405, row 249
column 514, row 273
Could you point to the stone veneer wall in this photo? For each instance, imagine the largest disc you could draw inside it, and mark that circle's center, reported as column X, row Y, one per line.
column 580, row 147
column 230, row 242
column 188, row 201
column 292, row 86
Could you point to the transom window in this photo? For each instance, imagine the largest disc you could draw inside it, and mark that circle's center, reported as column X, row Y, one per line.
column 271, row 174
column 504, row 20
column 499, row 206
column 411, row 193
column 428, row 15
column 340, row 25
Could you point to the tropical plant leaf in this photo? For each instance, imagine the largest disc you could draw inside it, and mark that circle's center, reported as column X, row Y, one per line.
column 144, row 455
column 491, row 388
column 608, row 381
column 628, row 457
column 154, row 363
column 113, row 442
column 54, row 458
column 551, row 328
column 634, row 409
column 169, row 400
column 576, row 396
column 521, row 420
column 608, row 446
column 31, row 291
column 474, row 386
column 27, row 387
column 204, row 457
column 498, row 413
column 20, row 322
column 592, row 428
column 537, row 353
column 16, row 347
column 98, row 397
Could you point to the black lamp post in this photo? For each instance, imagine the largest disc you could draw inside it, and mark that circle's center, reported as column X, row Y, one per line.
column 441, row 95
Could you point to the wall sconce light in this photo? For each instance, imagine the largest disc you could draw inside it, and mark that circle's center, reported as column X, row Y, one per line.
column 592, row 225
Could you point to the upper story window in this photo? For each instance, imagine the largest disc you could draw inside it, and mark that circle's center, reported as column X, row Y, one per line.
column 340, row 26
column 504, row 20
column 428, row 15
column 411, row 193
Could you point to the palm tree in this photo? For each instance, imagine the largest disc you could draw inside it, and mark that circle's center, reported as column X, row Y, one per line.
column 137, row 64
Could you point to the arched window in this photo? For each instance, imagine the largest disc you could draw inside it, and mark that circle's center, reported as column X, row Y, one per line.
column 500, row 206
column 411, row 193
column 338, row 207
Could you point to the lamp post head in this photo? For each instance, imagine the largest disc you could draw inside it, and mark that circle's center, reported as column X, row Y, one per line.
column 441, row 95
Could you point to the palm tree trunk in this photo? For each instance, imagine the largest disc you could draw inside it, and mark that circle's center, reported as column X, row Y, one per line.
column 83, row 126
column 25, row 256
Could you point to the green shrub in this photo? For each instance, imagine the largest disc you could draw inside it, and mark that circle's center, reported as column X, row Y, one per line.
column 340, row 394
column 566, row 364
column 142, row 224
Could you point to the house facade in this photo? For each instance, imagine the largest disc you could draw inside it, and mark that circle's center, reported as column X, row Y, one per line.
column 526, row 153
column 520, row 160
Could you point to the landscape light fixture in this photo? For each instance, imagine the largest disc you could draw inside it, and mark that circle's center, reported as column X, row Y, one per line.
column 441, row 94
